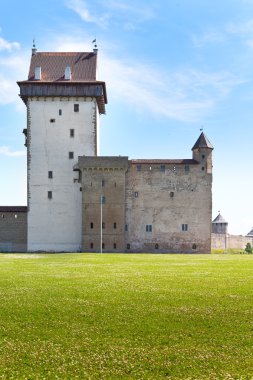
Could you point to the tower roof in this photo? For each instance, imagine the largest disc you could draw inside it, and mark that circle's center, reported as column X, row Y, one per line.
column 64, row 74
column 82, row 65
column 219, row 219
column 250, row 234
column 202, row 142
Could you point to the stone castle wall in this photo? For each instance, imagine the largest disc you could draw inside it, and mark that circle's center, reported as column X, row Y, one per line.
column 227, row 241
column 13, row 229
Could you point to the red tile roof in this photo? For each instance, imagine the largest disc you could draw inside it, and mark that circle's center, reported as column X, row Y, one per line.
column 83, row 66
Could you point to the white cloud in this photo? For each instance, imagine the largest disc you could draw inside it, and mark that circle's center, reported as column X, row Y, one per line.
column 6, row 151
column 210, row 37
column 12, row 68
column 81, row 8
column 186, row 94
column 9, row 46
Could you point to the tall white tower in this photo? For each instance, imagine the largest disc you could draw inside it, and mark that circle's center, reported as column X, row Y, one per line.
column 63, row 100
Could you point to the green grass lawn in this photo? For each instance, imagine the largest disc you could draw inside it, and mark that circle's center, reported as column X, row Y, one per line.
column 109, row 316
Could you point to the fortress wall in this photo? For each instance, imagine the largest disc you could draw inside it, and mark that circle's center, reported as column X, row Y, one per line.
column 13, row 231
column 227, row 241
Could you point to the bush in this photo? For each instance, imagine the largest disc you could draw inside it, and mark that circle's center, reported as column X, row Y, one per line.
column 248, row 248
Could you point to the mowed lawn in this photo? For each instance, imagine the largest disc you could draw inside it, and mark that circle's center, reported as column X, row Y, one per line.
column 110, row 316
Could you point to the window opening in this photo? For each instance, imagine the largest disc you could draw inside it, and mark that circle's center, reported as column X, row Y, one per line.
column 148, row 227
column 60, row 112
column 184, row 227
column 115, row 225
column 71, row 155
column 91, row 225
column 72, row 133
column 76, row 107
column 50, row 174
column 50, row 194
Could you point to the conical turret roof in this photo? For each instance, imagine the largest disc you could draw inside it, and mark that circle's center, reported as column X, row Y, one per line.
column 250, row 233
column 219, row 219
column 202, row 142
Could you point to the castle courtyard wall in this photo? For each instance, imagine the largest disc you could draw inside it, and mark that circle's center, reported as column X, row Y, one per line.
column 13, row 229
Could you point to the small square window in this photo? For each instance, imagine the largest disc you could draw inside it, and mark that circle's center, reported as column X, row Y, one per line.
column 50, row 174
column 72, row 133
column 52, row 120
column 162, row 168
column 50, row 194
column 115, row 225
column 60, row 112
column 184, row 227
column 76, row 107
column 172, row 194
column 148, row 227
column 71, row 155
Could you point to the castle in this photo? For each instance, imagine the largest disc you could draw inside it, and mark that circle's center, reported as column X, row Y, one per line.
column 80, row 201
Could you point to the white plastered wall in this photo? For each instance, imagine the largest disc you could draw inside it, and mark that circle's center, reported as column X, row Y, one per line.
column 55, row 224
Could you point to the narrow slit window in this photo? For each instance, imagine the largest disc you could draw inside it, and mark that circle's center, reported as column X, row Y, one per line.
column 184, row 227
column 72, row 133
column 60, row 112
column 91, row 225
column 103, row 245
column 148, row 227
column 115, row 225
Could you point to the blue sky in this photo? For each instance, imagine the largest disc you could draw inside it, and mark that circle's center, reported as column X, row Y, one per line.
column 171, row 68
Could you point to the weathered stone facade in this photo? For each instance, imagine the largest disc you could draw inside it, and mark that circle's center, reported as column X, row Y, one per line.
column 13, row 229
column 148, row 205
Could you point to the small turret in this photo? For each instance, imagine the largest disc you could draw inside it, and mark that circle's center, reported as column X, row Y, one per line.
column 202, row 153
column 219, row 225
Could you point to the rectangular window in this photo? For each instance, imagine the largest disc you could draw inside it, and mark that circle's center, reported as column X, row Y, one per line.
column 103, row 225
column 103, row 183
column 103, row 245
column 128, row 246
column 60, row 112
column 187, row 168
column 76, row 107
column 114, row 245
column 162, row 168
column 138, row 167
column 71, row 155
column 91, row 225
column 50, row 174
column 126, row 227
column 72, row 133
column 115, row 225
column 103, row 200
column 148, row 227
column 50, row 194
column 91, row 245
column 184, row 227
column 136, row 194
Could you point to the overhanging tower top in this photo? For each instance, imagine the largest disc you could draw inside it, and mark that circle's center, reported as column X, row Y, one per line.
column 53, row 81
